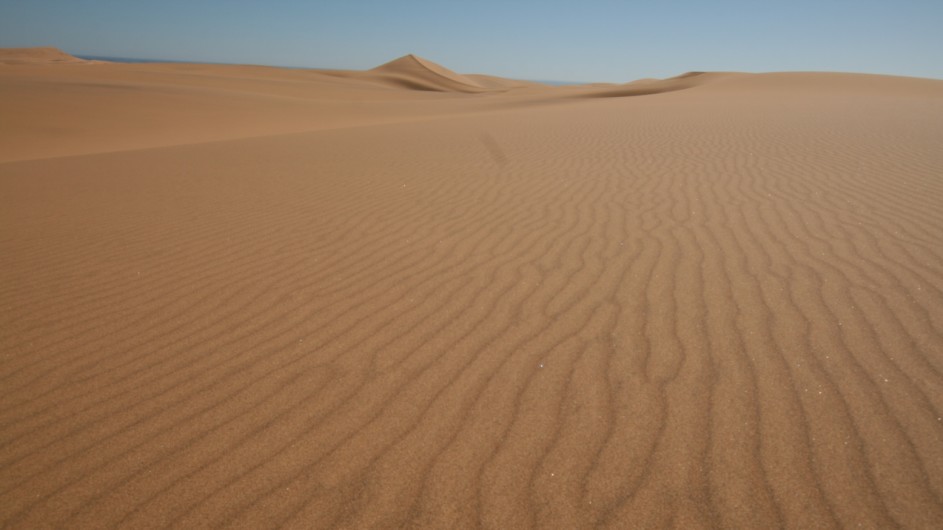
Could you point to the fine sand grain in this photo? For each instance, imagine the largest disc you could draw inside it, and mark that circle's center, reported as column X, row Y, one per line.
column 258, row 297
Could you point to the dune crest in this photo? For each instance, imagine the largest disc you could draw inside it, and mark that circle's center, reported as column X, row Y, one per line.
column 415, row 72
column 644, row 87
column 39, row 55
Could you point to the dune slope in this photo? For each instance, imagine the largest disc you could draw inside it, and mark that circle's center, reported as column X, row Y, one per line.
column 38, row 55
column 716, row 306
column 415, row 72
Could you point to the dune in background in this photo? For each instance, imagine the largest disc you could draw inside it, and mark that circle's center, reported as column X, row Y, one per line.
column 407, row 297
column 40, row 55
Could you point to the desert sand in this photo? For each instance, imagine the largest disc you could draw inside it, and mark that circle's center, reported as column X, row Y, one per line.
column 406, row 297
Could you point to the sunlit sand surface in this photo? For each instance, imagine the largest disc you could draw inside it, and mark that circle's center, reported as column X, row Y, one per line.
column 257, row 297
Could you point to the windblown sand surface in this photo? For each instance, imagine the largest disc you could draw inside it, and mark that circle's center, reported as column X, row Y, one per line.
column 256, row 297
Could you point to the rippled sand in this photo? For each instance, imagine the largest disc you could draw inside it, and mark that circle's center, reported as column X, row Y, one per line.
column 257, row 297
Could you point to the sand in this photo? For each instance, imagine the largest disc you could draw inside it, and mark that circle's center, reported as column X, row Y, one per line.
column 406, row 297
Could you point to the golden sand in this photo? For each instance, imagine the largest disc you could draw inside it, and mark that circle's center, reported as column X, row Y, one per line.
column 259, row 297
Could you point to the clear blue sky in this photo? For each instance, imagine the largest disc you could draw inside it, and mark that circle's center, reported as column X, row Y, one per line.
column 601, row 40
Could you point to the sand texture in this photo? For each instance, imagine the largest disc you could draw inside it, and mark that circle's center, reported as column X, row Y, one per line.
column 405, row 297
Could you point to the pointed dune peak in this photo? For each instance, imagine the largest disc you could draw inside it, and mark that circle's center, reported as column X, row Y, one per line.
column 415, row 72
column 412, row 61
column 406, row 61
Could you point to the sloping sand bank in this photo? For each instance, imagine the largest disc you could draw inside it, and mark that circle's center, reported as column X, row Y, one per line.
column 257, row 297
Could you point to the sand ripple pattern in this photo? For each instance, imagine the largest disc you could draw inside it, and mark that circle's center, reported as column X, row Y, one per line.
column 683, row 310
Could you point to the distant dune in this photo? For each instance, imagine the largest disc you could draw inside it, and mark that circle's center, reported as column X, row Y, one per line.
column 41, row 55
column 417, row 73
column 258, row 297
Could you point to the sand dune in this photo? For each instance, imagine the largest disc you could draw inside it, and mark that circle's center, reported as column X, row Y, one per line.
column 255, row 297
column 645, row 87
column 71, row 110
column 39, row 55
column 417, row 73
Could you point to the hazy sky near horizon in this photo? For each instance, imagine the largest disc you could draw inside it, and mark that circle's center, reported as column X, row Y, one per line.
column 601, row 40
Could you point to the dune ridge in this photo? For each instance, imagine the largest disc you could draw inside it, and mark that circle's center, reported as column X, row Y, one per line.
column 416, row 69
column 39, row 55
column 377, row 306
